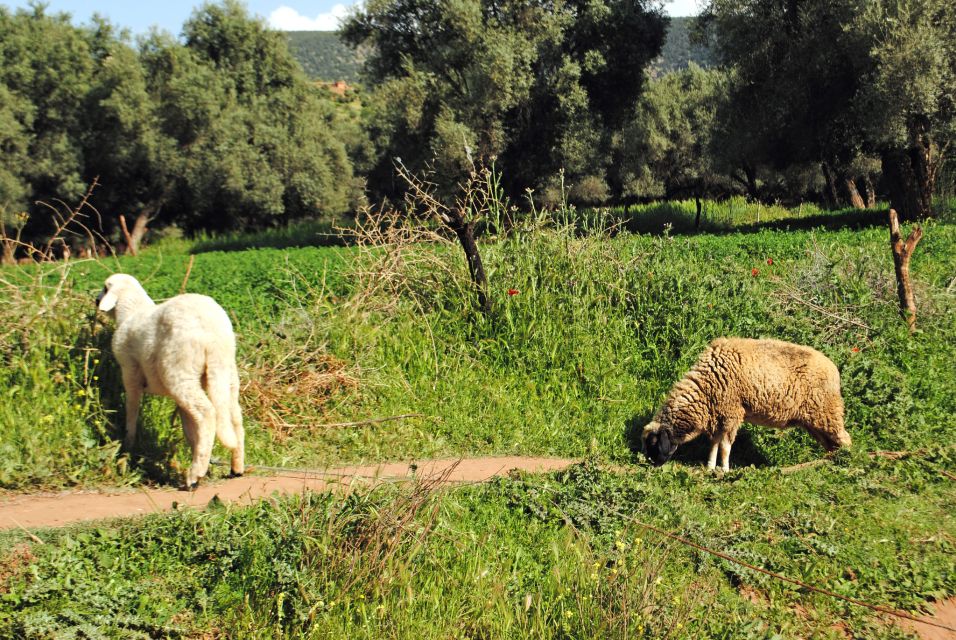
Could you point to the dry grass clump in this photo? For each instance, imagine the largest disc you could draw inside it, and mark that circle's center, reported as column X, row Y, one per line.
column 401, row 258
column 296, row 391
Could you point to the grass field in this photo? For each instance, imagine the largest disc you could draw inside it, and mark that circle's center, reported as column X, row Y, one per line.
column 572, row 364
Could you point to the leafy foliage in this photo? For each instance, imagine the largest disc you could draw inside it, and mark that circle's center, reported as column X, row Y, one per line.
column 833, row 81
column 219, row 132
column 538, row 86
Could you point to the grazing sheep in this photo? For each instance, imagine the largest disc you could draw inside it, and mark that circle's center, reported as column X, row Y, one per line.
column 765, row 382
column 183, row 348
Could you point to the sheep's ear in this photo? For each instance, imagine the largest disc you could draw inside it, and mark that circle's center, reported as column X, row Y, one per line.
column 108, row 301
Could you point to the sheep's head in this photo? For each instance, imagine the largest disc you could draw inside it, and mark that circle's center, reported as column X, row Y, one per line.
column 117, row 287
column 659, row 445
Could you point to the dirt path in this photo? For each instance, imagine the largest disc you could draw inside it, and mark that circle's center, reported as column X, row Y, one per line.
column 944, row 613
column 33, row 511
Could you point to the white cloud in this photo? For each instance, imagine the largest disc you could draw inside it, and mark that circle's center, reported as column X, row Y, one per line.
column 288, row 19
column 682, row 7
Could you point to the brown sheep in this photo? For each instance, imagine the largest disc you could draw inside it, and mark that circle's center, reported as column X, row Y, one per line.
column 764, row 382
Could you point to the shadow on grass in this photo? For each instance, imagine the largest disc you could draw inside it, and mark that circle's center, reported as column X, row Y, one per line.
column 158, row 435
column 310, row 233
column 743, row 454
column 678, row 219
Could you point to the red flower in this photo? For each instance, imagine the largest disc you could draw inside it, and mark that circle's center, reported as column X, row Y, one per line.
column 513, row 292
column 855, row 349
column 770, row 261
column 754, row 272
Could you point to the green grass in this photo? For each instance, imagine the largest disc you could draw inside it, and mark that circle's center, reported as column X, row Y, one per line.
column 573, row 365
column 557, row 557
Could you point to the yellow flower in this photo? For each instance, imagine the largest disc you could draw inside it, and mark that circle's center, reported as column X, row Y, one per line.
column 81, row 392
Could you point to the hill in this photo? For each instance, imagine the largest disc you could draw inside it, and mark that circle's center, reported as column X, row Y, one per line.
column 324, row 56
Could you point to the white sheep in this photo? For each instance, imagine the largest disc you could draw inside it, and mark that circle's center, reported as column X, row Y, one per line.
column 764, row 382
column 185, row 349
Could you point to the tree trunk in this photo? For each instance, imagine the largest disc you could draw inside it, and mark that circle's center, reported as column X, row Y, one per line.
column 855, row 199
column 135, row 237
column 868, row 189
column 466, row 236
column 752, row 189
column 830, row 193
column 902, row 252
column 697, row 219
column 9, row 252
column 910, row 175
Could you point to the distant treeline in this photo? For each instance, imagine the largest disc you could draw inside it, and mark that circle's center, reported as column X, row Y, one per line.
column 585, row 102
column 324, row 56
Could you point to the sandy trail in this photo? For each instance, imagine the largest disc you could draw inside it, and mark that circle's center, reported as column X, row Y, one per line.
column 30, row 511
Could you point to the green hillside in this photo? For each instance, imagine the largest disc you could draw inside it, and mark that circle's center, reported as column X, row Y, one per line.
column 325, row 57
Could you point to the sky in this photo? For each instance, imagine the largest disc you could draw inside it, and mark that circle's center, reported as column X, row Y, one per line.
column 286, row 15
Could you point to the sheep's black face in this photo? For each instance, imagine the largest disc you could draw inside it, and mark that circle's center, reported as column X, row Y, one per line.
column 658, row 447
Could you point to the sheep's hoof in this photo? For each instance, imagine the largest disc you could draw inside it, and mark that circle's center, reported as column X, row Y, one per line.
column 190, row 487
column 233, row 474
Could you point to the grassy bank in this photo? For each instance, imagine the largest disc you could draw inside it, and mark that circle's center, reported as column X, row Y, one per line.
column 589, row 329
column 586, row 335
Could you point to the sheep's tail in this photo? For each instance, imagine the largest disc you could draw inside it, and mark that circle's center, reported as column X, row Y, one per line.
column 219, row 375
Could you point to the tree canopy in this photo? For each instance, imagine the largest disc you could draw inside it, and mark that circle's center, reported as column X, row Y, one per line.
column 538, row 86
column 220, row 130
column 832, row 82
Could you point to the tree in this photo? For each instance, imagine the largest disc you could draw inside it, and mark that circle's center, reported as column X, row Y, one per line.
column 796, row 73
column 123, row 147
column 834, row 82
column 908, row 96
column 536, row 85
column 253, row 142
column 43, row 81
column 664, row 150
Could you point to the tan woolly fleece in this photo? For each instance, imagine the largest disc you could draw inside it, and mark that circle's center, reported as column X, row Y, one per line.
column 763, row 382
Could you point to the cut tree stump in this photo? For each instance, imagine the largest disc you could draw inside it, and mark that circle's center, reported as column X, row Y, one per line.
column 902, row 252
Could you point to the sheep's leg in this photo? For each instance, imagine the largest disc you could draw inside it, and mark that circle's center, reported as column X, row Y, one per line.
column 238, row 454
column 725, row 445
column 190, row 428
column 712, row 460
column 202, row 452
column 200, row 416
column 728, row 433
column 134, row 384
